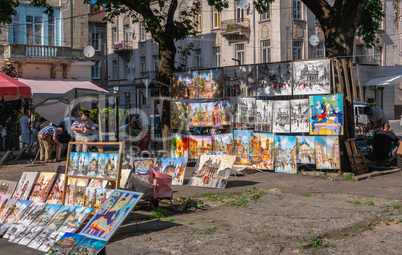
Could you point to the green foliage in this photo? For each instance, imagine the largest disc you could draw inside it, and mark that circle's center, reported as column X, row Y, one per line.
column 210, row 229
column 189, row 204
column 316, row 242
column 159, row 213
column 370, row 20
column 170, row 219
column 300, row 242
column 191, row 223
column 240, row 202
column 368, row 202
column 12, row 108
column 306, row 194
column 395, row 206
column 348, row 177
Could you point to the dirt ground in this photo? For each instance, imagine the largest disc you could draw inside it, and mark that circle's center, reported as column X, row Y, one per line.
column 266, row 213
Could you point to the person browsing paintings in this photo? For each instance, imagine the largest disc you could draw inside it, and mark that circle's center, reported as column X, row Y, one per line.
column 82, row 126
column 48, row 136
column 382, row 145
column 377, row 118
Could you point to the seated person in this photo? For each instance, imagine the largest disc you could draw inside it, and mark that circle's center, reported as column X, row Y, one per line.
column 383, row 140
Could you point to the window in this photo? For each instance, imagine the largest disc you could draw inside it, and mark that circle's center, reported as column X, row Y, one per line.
column 297, row 9
column 378, row 55
column 321, row 50
column 297, row 49
column 217, row 56
column 33, row 30
column 95, row 41
column 216, row 19
column 197, row 58
column 183, row 59
column 95, row 70
column 126, row 36
column 239, row 12
column 155, row 60
column 16, row 29
column 143, row 66
column 240, row 53
column 114, row 35
column 266, row 51
column 142, row 31
column 266, row 15
column 198, row 20
column 51, row 31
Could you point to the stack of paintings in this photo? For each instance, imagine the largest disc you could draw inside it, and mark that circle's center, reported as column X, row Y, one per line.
column 179, row 116
column 311, row 77
column 223, row 143
column 275, row 79
column 240, row 81
column 262, row 153
column 285, row 154
column 185, row 85
column 327, row 152
column 178, row 146
column 209, row 84
column 326, row 115
column 174, row 167
column 198, row 145
column 242, row 143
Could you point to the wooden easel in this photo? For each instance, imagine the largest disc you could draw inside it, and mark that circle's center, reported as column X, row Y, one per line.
column 356, row 158
column 6, row 156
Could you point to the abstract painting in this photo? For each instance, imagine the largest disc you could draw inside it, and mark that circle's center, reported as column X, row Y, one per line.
column 243, row 110
column 40, row 238
column 6, row 207
column 56, row 194
column 305, row 149
column 311, row 77
column 59, row 217
column 24, row 186
column 263, row 116
column 50, row 240
column 20, row 207
column 31, row 213
column 174, row 167
column 223, row 143
column 327, row 152
column 7, row 187
column 275, row 79
column 45, row 216
column 185, row 85
column 209, row 83
column 66, row 243
column 240, row 81
column 178, row 116
column 281, row 117
column 178, row 146
column 198, row 145
column 212, row 171
column 111, row 214
column 262, row 151
column 42, row 186
column 285, row 154
column 299, row 116
column 326, row 115
column 88, row 246
column 75, row 219
column 209, row 114
column 30, row 234
column 242, row 143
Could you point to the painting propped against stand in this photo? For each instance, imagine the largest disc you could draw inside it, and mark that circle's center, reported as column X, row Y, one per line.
column 179, row 146
column 285, row 154
column 262, row 149
column 312, row 77
column 25, row 185
column 240, row 81
column 209, row 83
column 242, row 142
column 223, row 143
column 305, row 149
column 281, row 117
column 198, row 145
column 299, row 116
column 275, row 79
column 185, row 85
column 212, row 171
column 326, row 115
column 174, row 167
column 263, row 116
column 327, row 152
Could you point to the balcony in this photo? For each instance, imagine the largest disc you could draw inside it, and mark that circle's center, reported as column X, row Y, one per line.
column 41, row 52
column 236, row 28
column 124, row 49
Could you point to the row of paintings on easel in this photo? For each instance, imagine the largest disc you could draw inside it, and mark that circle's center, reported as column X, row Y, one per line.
column 264, row 151
column 271, row 79
column 317, row 115
column 99, row 165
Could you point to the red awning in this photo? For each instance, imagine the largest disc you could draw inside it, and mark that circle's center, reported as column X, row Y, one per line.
column 12, row 89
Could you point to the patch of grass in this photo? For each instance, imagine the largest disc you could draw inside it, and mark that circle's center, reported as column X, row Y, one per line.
column 316, row 242
column 191, row 223
column 368, row 202
column 355, row 202
column 300, row 242
column 255, row 196
column 357, row 226
column 189, row 204
column 248, row 191
column 159, row 213
column 395, row 206
column 211, row 194
column 239, row 202
column 369, row 177
column 400, row 220
column 306, row 194
column 170, row 219
column 348, row 177
column 210, row 229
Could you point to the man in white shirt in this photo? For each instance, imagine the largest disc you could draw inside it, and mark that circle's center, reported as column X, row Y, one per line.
column 376, row 116
column 25, row 130
column 82, row 126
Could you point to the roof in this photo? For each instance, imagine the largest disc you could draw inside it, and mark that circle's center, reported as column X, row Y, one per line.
column 97, row 16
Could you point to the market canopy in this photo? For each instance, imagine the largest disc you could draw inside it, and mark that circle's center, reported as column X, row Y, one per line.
column 52, row 97
column 12, row 89
column 380, row 75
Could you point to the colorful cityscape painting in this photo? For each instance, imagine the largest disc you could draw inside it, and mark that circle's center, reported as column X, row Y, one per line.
column 275, row 79
column 198, row 145
column 98, row 165
column 45, row 216
column 223, row 143
column 311, row 77
column 209, row 114
column 262, row 151
column 50, row 240
column 88, row 246
column 285, row 154
column 179, row 116
column 20, row 207
column 6, row 207
column 25, row 185
column 174, row 167
column 56, row 194
column 212, row 171
column 59, row 217
column 75, row 219
column 209, row 84
column 185, row 85
column 66, row 243
column 42, row 187
column 242, row 142
column 327, row 152
column 326, row 115
column 305, row 149
column 178, row 146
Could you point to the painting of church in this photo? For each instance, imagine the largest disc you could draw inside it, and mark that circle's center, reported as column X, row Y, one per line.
column 88, row 246
column 281, row 117
column 299, row 116
column 326, row 114
column 305, row 149
column 179, row 116
column 285, row 154
column 209, row 83
column 311, row 77
column 198, row 145
column 223, row 143
column 242, row 142
column 174, row 167
column 66, row 243
column 263, row 116
column 243, row 111
column 212, row 171
column 327, row 152
column 185, row 85
column 262, row 148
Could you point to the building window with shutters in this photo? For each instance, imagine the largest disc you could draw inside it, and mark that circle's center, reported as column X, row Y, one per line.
column 198, row 20
column 321, row 50
column 142, row 31
column 95, row 41
column 266, row 51
column 216, row 19
column 197, row 58
column 95, row 70
column 266, row 15
column 143, row 66
column 297, row 9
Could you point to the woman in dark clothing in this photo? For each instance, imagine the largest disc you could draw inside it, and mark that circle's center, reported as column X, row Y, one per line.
column 8, row 139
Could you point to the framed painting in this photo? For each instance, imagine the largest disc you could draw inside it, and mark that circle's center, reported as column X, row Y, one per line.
column 240, row 81
column 305, row 149
column 111, row 214
column 243, row 110
column 299, row 116
column 66, row 243
column 59, row 217
column 281, row 117
column 31, row 233
column 31, row 213
column 88, row 246
column 46, row 215
column 262, row 151
column 263, row 116
column 327, row 154
column 50, row 240
column 174, row 167
column 185, row 85
column 326, row 115
column 43, row 186
column 223, row 143
column 20, row 207
column 75, row 219
column 242, row 143
column 275, row 79
column 285, row 154
column 56, row 194
column 312, row 77
column 178, row 146
column 38, row 240
column 198, row 145
column 7, row 187
column 209, row 84
column 25, row 185
column 179, row 116
column 212, row 171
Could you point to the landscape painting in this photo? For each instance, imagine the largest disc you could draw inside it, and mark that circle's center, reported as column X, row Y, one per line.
column 263, row 115
column 223, row 143
column 327, row 152
column 42, row 186
column 305, row 149
column 262, row 151
column 7, row 187
column 281, row 117
column 312, row 77
column 179, row 116
column 212, row 171
column 285, row 154
column 25, row 185
column 178, row 146
column 209, row 83
column 275, row 79
column 198, row 145
column 299, row 116
column 174, row 167
column 185, row 85
column 75, row 219
column 240, row 81
column 326, row 115
column 242, row 143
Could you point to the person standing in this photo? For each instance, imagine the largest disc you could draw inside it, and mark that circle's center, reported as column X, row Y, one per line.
column 382, row 145
column 25, row 130
column 82, row 126
column 8, row 139
column 48, row 136
column 377, row 118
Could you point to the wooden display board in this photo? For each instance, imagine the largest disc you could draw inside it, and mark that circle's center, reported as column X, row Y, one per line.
column 99, row 145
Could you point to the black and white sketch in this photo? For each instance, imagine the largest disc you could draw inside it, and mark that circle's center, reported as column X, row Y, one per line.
column 312, row 77
column 275, row 79
column 299, row 116
column 263, row 116
column 281, row 117
column 240, row 81
column 243, row 110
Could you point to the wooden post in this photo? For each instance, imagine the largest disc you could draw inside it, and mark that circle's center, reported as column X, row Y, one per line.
column 359, row 78
column 347, row 84
column 340, row 80
column 334, row 90
column 352, row 78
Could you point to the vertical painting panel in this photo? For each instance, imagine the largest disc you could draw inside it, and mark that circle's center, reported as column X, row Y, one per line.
column 179, row 116
column 327, row 152
column 25, row 185
column 223, row 143
column 312, row 77
column 281, row 117
column 275, row 79
column 209, row 84
column 305, row 149
column 242, row 143
column 262, row 149
column 174, row 167
column 198, row 145
column 285, row 154
column 299, row 116
column 243, row 110
column 326, row 115
column 185, row 85
column 240, row 81
column 178, row 146
column 263, row 116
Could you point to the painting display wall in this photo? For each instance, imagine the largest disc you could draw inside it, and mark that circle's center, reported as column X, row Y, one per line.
column 243, row 110
column 209, row 114
column 209, row 83
column 223, row 143
column 326, row 115
column 185, row 85
column 327, row 152
column 299, row 116
column 285, row 154
column 275, row 79
column 263, row 115
column 262, row 151
column 178, row 146
column 174, row 167
column 312, row 77
column 242, row 142
column 305, row 149
column 240, row 81
column 212, row 171
column 198, row 145
column 281, row 117
column 179, row 116
column 25, row 185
